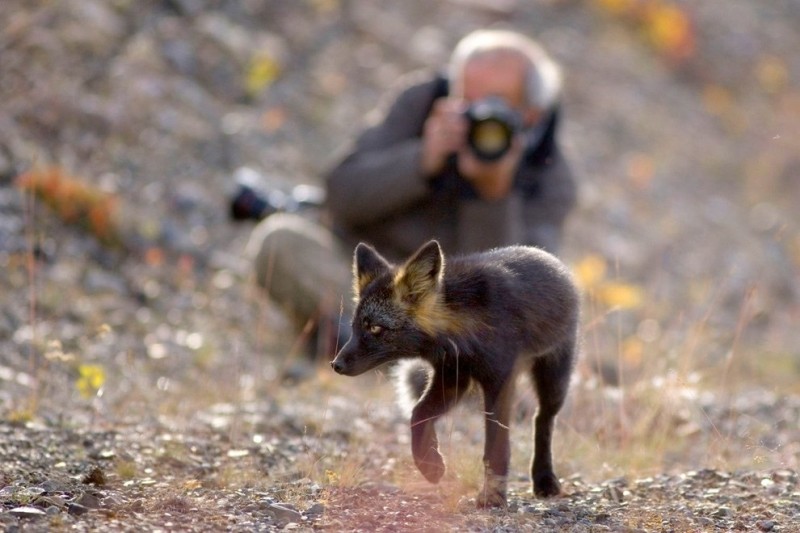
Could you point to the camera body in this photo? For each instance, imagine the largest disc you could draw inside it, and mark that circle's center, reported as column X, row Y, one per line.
column 492, row 126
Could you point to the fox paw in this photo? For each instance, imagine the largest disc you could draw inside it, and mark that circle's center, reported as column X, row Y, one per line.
column 488, row 498
column 431, row 466
column 546, row 485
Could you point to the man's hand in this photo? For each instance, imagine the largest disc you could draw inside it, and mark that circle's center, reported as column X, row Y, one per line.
column 444, row 133
column 492, row 179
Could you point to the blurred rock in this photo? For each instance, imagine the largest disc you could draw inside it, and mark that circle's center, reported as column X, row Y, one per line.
column 92, row 26
column 283, row 514
column 98, row 280
column 315, row 510
column 26, row 512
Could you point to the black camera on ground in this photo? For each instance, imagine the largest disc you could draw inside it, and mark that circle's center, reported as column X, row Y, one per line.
column 254, row 199
column 492, row 126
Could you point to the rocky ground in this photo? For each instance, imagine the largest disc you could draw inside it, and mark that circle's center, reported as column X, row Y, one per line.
column 143, row 382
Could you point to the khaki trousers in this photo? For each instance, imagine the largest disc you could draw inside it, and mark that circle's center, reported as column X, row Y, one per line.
column 303, row 268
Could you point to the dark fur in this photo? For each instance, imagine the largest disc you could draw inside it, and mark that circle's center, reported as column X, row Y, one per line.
column 481, row 319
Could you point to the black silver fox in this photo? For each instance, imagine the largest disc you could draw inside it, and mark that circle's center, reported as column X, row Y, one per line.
column 481, row 318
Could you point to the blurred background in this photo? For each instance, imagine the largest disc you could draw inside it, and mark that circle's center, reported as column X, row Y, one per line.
column 122, row 123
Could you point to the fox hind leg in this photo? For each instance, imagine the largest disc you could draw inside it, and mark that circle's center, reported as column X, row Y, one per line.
column 551, row 376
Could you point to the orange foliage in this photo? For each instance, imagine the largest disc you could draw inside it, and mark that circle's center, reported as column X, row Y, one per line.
column 74, row 201
column 590, row 273
column 154, row 256
column 665, row 26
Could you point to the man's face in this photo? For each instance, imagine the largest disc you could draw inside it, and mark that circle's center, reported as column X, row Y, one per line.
column 501, row 75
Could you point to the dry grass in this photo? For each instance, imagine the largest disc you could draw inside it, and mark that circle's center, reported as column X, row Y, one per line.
column 636, row 408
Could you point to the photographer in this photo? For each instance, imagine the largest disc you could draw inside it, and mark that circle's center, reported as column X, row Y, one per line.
column 469, row 158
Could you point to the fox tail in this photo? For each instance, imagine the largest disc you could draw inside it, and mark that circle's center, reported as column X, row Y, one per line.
column 411, row 378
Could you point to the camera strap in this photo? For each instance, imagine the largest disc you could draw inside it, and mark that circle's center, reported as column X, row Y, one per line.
column 541, row 146
column 533, row 136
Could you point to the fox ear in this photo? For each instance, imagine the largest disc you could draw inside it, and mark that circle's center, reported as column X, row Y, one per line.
column 367, row 265
column 421, row 275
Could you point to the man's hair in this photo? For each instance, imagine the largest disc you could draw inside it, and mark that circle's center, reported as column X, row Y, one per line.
column 543, row 77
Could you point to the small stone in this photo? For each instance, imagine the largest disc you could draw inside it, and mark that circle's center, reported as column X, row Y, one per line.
column 76, row 509
column 88, row 500
column 315, row 510
column 103, row 454
column 100, row 281
column 765, row 525
column 26, row 512
column 51, row 501
column 723, row 512
column 283, row 514
column 614, row 494
column 784, row 476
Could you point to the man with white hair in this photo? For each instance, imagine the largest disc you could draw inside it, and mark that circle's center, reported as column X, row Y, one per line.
column 468, row 157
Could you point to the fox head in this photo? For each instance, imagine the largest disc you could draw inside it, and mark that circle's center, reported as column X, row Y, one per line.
column 399, row 308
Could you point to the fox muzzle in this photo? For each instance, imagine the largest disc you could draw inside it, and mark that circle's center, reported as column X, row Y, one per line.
column 338, row 366
column 343, row 362
column 352, row 360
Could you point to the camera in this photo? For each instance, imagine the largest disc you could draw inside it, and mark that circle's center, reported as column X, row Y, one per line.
column 254, row 198
column 492, row 126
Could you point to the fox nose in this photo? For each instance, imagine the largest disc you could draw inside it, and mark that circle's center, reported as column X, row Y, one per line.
column 337, row 366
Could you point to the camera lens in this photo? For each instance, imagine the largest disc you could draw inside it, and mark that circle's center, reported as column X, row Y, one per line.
column 492, row 125
column 247, row 204
column 490, row 139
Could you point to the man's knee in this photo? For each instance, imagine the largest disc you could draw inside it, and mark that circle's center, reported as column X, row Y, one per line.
column 297, row 261
column 278, row 240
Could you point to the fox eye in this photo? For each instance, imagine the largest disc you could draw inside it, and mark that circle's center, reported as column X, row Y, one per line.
column 375, row 329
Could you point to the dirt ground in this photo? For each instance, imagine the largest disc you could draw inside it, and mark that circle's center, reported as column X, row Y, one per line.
column 146, row 385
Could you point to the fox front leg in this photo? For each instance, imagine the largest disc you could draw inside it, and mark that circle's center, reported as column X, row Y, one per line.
column 425, row 448
column 446, row 388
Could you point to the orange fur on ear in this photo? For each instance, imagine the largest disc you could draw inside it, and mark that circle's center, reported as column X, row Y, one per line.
column 421, row 276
